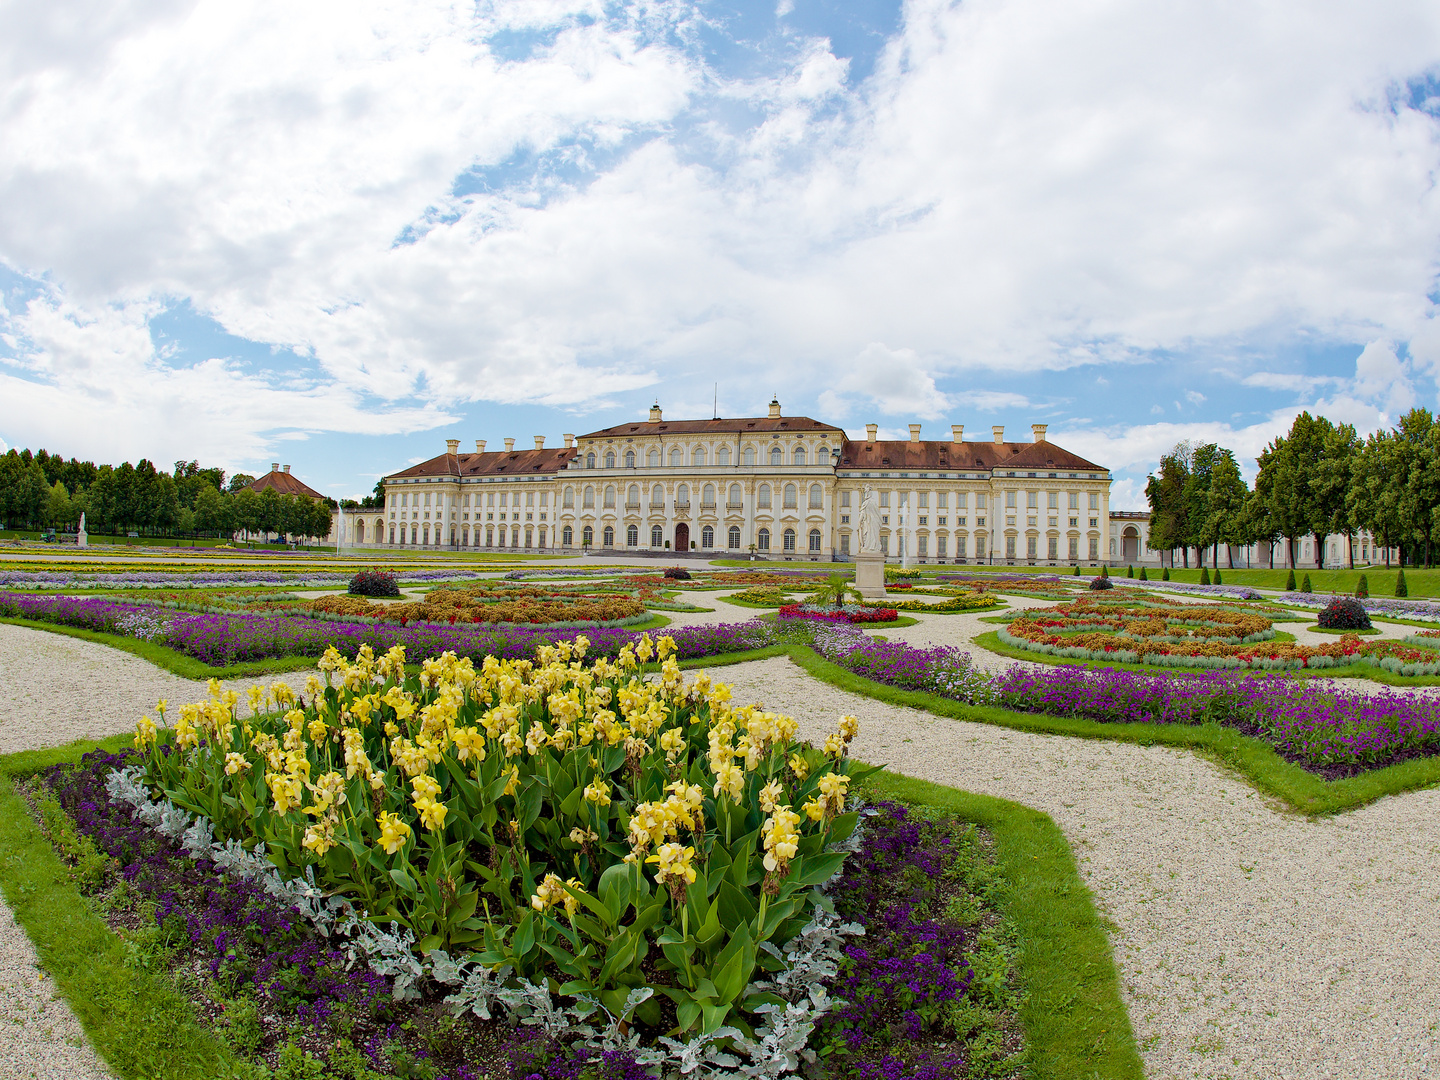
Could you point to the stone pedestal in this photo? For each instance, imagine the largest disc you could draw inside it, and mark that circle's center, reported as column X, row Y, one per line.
column 870, row 575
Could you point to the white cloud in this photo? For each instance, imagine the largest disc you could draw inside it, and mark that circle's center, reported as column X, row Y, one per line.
column 1194, row 397
column 1019, row 187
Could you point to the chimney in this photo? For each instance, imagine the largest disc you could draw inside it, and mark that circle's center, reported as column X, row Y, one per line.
column 870, row 430
column 999, row 435
column 287, row 469
column 569, row 441
column 914, row 432
column 275, row 466
column 479, row 446
column 452, row 446
column 774, row 408
column 1038, row 430
column 957, row 432
column 539, row 442
column 509, row 445
column 655, row 413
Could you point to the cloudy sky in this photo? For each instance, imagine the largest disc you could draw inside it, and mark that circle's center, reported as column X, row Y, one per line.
column 335, row 233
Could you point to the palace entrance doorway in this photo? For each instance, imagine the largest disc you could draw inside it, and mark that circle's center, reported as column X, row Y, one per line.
column 682, row 537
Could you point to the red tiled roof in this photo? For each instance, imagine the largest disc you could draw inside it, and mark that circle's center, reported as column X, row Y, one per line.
column 283, row 483
column 501, row 463
column 938, row 456
column 741, row 426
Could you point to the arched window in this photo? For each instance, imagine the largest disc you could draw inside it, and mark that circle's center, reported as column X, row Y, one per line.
column 610, row 459
column 610, row 497
column 789, row 496
column 707, row 495
column 763, row 540
column 677, row 458
column 569, row 498
column 707, row 537
column 682, row 495
column 697, row 456
column 735, row 495
column 653, row 458
column 817, row 497
column 735, row 537
column 590, row 460
column 632, row 497
column 749, row 455
column 629, row 459
column 798, row 458
column 722, row 456
column 777, row 456
column 657, row 496
column 609, row 536
column 587, row 500
column 762, row 497
column 567, row 536
column 822, row 456
column 789, row 539
column 815, row 541
column 632, row 536
column 587, row 536
column 657, row 536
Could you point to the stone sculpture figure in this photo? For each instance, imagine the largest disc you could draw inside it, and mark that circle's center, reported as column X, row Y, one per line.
column 869, row 522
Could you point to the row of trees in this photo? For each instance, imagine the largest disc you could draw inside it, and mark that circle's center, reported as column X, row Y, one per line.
column 42, row 490
column 1317, row 480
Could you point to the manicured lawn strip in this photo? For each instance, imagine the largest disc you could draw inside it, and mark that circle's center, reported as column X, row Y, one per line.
column 1252, row 758
column 893, row 624
column 1075, row 1023
column 991, row 643
column 177, row 663
column 1317, row 629
column 141, row 1027
column 725, row 659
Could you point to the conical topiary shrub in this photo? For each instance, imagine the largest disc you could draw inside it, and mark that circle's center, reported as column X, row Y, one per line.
column 1362, row 589
column 1077, row 569
column 1129, row 571
column 1290, row 582
column 1142, row 574
column 1217, row 577
column 1400, row 589
column 1305, row 585
column 1204, row 575
column 1105, row 571
column 1164, row 573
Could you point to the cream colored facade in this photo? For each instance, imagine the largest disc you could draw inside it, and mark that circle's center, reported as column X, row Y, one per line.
column 786, row 488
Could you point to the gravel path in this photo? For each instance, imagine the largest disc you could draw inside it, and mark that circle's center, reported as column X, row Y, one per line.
column 1252, row 943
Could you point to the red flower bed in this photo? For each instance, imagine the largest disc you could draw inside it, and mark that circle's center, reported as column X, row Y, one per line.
column 867, row 615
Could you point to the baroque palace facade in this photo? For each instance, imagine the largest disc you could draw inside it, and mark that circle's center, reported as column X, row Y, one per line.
column 782, row 487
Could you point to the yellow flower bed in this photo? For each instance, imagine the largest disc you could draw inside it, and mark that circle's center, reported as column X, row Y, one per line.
column 606, row 826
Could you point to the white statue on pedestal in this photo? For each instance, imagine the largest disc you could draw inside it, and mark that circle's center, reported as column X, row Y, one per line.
column 869, row 522
column 82, row 538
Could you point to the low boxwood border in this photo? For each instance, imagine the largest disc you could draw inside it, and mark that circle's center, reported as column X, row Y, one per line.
column 1074, row 1019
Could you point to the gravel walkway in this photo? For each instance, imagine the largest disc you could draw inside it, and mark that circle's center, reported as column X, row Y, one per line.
column 1252, row 943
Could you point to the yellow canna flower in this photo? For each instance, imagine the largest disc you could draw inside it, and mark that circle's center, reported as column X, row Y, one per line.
column 393, row 832
column 598, row 792
column 235, row 763
column 144, row 732
column 798, row 766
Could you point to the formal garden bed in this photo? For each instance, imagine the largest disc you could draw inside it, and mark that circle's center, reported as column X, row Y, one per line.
column 619, row 878
column 1160, row 632
column 842, row 613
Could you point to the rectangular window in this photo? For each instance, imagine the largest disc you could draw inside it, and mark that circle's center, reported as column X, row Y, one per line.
column 1053, row 502
column 427, row 498
column 1094, row 500
column 544, row 498
column 924, row 520
column 504, row 498
column 1074, row 500
column 845, row 499
column 979, row 547
column 959, row 547
column 530, row 498
column 1094, row 523
column 884, row 498
column 1032, row 500
column 1009, row 547
column 979, row 500
column 942, row 500
column 1010, row 499
column 922, row 544
column 924, row 500
column 844, row 543
column 1030, row 547
column 1074, row 549
column 1074, row 523
column 884, row 545
column 490, row 499
column 1054, row 548
column 1094, row 548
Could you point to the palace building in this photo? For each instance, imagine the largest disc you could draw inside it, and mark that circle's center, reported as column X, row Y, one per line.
column 780, row 487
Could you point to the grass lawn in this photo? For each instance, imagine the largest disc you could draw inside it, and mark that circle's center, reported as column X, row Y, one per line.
column 1421, row 582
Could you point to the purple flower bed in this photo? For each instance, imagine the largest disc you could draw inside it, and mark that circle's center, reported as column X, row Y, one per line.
column 221, row 639
column 1234, row 592
column 141, row 579
column 1394, row 607
column 1331, row 731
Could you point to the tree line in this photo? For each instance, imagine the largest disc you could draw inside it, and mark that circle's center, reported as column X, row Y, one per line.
column 43, row 490
column 1317, row 480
